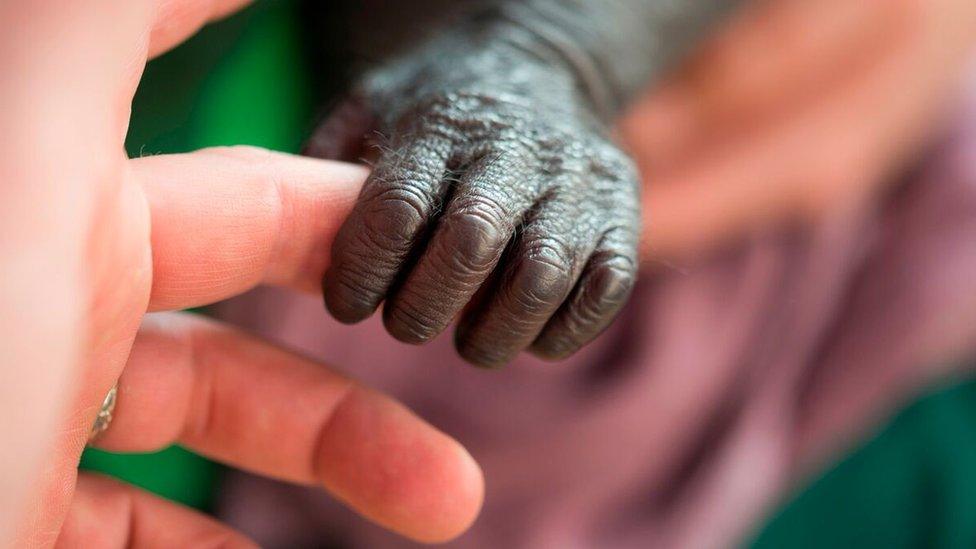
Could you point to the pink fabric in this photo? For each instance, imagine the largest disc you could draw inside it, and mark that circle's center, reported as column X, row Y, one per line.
column 722, row 384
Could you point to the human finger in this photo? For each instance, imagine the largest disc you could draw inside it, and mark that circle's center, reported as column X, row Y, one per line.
column 227, row 219
column 177, row 20
column 106, row 513
column 249, row 404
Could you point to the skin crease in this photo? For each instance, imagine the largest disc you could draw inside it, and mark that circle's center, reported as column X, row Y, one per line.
column 498, row 197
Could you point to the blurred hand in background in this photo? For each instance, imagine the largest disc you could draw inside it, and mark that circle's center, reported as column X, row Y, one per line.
column 795, row 110
column 90, row 241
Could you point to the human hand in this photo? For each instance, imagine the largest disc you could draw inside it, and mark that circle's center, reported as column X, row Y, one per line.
column 497, row 196
column 795, row 111
column 92, row 241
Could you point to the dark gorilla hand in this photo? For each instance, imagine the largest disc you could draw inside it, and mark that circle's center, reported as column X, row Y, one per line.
column 492, row 163
column 497, row 194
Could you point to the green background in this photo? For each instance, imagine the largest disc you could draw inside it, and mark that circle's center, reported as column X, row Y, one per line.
column 246, row 80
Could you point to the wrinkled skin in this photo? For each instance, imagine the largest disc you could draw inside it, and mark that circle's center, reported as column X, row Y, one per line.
column 497, row 196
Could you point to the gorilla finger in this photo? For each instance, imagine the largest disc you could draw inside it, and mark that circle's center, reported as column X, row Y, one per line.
column 107, row 513
column 540, row 273
column 491, row 196
column 607, row 281
column 386, row 224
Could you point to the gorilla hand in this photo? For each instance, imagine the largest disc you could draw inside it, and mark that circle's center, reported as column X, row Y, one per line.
column 493, row 174
column 497, row 194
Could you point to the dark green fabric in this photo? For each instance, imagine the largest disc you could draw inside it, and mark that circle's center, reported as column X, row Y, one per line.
column 241, row 81
column 174, row 473
column 912, row 485
column 245, row 81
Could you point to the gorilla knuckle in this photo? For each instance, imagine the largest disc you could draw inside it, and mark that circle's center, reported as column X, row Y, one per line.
column 613, row 164
column 479, row 229
column 542, row 278
column 611, row 279
column 555, row 346
column 395, row 215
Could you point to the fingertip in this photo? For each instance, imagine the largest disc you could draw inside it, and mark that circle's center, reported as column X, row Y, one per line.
column 553, row 348
column 400, row 471
column 486, row 357
column 342, row 311
column 406, row 327
column 459, row 512
column 345, row 304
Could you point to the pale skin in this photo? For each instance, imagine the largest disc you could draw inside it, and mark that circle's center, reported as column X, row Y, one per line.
column 94, row 242
column 793, row 111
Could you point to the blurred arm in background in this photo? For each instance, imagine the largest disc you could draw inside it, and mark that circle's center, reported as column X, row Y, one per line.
column 796, row 110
